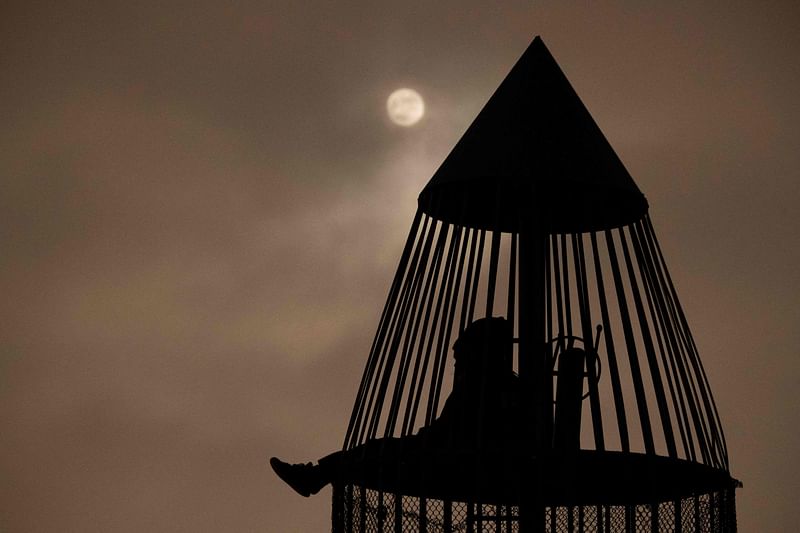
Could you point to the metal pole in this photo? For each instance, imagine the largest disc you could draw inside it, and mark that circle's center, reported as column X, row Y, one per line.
column 532, row 370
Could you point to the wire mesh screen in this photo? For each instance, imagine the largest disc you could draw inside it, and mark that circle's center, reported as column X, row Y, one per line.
column 361, row 510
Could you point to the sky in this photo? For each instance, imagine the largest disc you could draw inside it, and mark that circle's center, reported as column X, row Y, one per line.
column 203, row 204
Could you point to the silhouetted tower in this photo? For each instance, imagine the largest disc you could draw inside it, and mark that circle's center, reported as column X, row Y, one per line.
column 533, row 217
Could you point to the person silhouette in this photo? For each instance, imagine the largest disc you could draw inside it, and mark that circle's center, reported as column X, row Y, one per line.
column 480, row 415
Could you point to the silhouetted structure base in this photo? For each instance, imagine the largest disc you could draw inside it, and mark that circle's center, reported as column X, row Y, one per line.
column 358, row 509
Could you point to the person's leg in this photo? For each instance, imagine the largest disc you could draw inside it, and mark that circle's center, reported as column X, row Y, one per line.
column 306, row 479
column 370, row 457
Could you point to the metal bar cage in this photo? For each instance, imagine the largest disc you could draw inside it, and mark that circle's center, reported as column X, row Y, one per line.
column 645, row 389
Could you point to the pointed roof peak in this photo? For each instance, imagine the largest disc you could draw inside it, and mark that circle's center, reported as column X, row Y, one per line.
column 534, row 151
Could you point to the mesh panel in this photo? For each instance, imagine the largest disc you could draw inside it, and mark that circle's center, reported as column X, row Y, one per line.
column 589, row 519
column 371, row 516
column 687, row 516
column 666, row 517
column 617, row 519
column 386, row 511
column 411, row 513
column 562, row 519
column 715, row 507
column 705, row 513
column 435, row 514
column 459, row 516
column 360, row 510
column 642, row 518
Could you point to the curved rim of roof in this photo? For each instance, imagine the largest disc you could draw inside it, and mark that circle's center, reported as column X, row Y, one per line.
column 510, row 207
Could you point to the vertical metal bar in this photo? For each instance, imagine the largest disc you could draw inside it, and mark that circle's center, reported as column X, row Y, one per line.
column 548, row 296
column 447, row 292
column 581, row 518
column 608, row 335
column 586, row 328
column 655, row 300
column 532, row 365
column 630, row 518
column 477, row 277
column 682, row 360
column 470, row 518
column 654, row 518
column 633, row 358
column 453, row 251
column 362, row 508
column 451, row 302
column 712, row 416
column 423, row 514
column 570, row 519
column 411, row 328
column 712, row 430
column 674, row 353
column 493, row 259
column 512, row 280
column 380, row 512
column 600, row 519
column 372, row 413
column 421, row 361
column 565, row 280
column 337, row 511
column 559, row 298
column 410, row 291
column 465, row 301
column 398, row 513
column 548, row 419
column 655, row 373
column 388, row 310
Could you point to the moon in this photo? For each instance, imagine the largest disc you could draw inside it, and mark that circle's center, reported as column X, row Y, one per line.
column 405, row 107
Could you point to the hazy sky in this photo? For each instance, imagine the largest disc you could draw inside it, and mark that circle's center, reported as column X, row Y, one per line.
column 203, row 204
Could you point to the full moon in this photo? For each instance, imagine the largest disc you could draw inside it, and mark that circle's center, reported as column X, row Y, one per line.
column 405, row 107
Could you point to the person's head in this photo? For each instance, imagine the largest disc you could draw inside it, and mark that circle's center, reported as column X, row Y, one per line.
column 484, row 350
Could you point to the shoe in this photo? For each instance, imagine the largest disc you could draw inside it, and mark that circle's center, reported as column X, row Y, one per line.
column 305, row 479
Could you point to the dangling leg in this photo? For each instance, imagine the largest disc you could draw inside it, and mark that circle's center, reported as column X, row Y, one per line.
column 306, row 478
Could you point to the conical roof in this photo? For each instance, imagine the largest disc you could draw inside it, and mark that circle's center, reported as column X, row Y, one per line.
column 534, row 151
